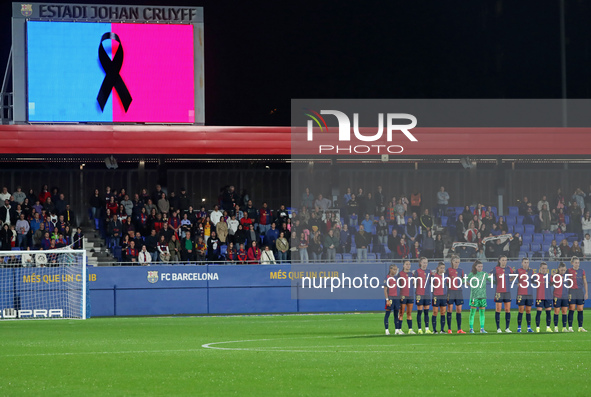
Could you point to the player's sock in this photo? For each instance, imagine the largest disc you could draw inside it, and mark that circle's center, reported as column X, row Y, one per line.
column 528, row 319
column 548, row 318
column 498, row 319
column 386, row 317
column 538, row 317
column 507, row 319
column 449, row 320
column 458, row 320
column 426, row 313
column 434, row 322
column 519, row 319
column 409, row 323
column 571, row 317
column 397, row 324
column 420, row 319
column 482, row 316
column 472, row 315
column 564, row 320
column 556, row 320
column 580, row 318
column 442, row 322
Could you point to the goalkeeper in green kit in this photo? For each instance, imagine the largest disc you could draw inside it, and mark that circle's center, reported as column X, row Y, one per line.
column 477, row 283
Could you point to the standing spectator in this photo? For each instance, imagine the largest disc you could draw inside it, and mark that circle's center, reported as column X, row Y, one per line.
column 553, row 220
column 282, row 246
column 575, row 219
column 439, row 247
column 442, row 201
column 187, row 248
column 222, row 230
column 322, row 203
column 345, row 239
column 579, row 197
column 232, row 227
column 307, row 199
column 315, row 247
column 428, row 248
column 541, row 203
column 5, row 195
column 216, row 215
column 545, row 218
column 144, row 257
column 229, row 199
column 587, row 246
column 127, row 205
column 559, row 200
column 426, row 222
column 362, row 241
column 264, row 219
column 19, row 196
column 7, row 213
column 380, row 201
column 114, row 232
column 586, row 223
column 415, row 202
column 393, row 241
column 22, row 229
column 382, row 231
column 213, row 247
column 157, row 194
column 271, row 236
column 370, row 205
column 267, row 257
column 163, row 204
column 151, row 243
column 184, row 201
column 303, row 248
column 412, row 232
column 171, row 251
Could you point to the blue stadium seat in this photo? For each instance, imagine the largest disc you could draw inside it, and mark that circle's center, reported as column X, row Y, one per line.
column 390, row 227
column 559, row 238
column 372, row 257
column 510, row 220
column 224, row 249
column 511, row 229
column 519, row 229
column 545, row 247
column 117, row 253
column 538, row 238
column 519, row 219
column 514, row 211
column 527, row 238
column 444, row 221
column 494, row 211
column 347, row 258
column 529, row 229
column 338, row 257
column 548, row 237
column 567, row 219
column 525, row 247
column 535, row 247
column 523, row 254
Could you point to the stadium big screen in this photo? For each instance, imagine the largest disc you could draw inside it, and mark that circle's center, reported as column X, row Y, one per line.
column 108, row 64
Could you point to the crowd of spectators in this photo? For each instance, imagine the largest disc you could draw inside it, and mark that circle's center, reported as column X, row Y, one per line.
column 37, row 221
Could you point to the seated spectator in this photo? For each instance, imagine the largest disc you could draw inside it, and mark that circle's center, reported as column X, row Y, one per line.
column 132, row 252
column 254, row 253
column 252, row 235
column 231, row 253
column 502, row 226
column 200, row 249
column 576, row 250
column 241, row 255
column 322, row 203
column 554, row 251
column 267, row 257
column 144, row 257
column 78, row 239
column 402, row 250
column 564, row 249
column 415, row 252
column 470, row 235
column 393, row 241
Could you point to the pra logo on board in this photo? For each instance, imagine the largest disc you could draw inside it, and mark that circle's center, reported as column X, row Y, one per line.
column 372, row 143
column 34, row 313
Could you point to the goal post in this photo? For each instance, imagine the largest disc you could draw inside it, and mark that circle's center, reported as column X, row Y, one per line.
column 43, row 284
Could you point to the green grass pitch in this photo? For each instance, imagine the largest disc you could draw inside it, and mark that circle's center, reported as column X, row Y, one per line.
column 339, row 354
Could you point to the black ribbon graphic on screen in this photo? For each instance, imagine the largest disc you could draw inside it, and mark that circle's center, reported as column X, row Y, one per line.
column 112, row 78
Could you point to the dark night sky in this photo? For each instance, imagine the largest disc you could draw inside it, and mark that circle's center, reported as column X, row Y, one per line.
column 260, row 54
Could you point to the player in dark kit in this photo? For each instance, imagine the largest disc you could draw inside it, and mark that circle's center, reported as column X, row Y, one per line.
column 576, row 295
column 392, row 300
column 406, row 300
column 423, row 278
column 560, row 295
column 543, row 289
column 438, row 289
column 502, row 275
column 455, row 295
column 525, row 299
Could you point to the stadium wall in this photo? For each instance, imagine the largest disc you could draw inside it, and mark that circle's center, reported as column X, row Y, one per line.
column 208, row 289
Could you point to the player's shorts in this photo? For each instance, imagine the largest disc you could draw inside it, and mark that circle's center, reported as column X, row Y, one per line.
column 544, row 303
column 524, row 300
column 422, row 300
column 455, row 297
column 439, row 301
column 576, row 296
column 406, row 300
column 477, row 302
column 395, row 303
column 502, row 297
column 560, row 302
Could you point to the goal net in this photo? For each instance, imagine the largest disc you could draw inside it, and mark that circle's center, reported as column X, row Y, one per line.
column 43, row 284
